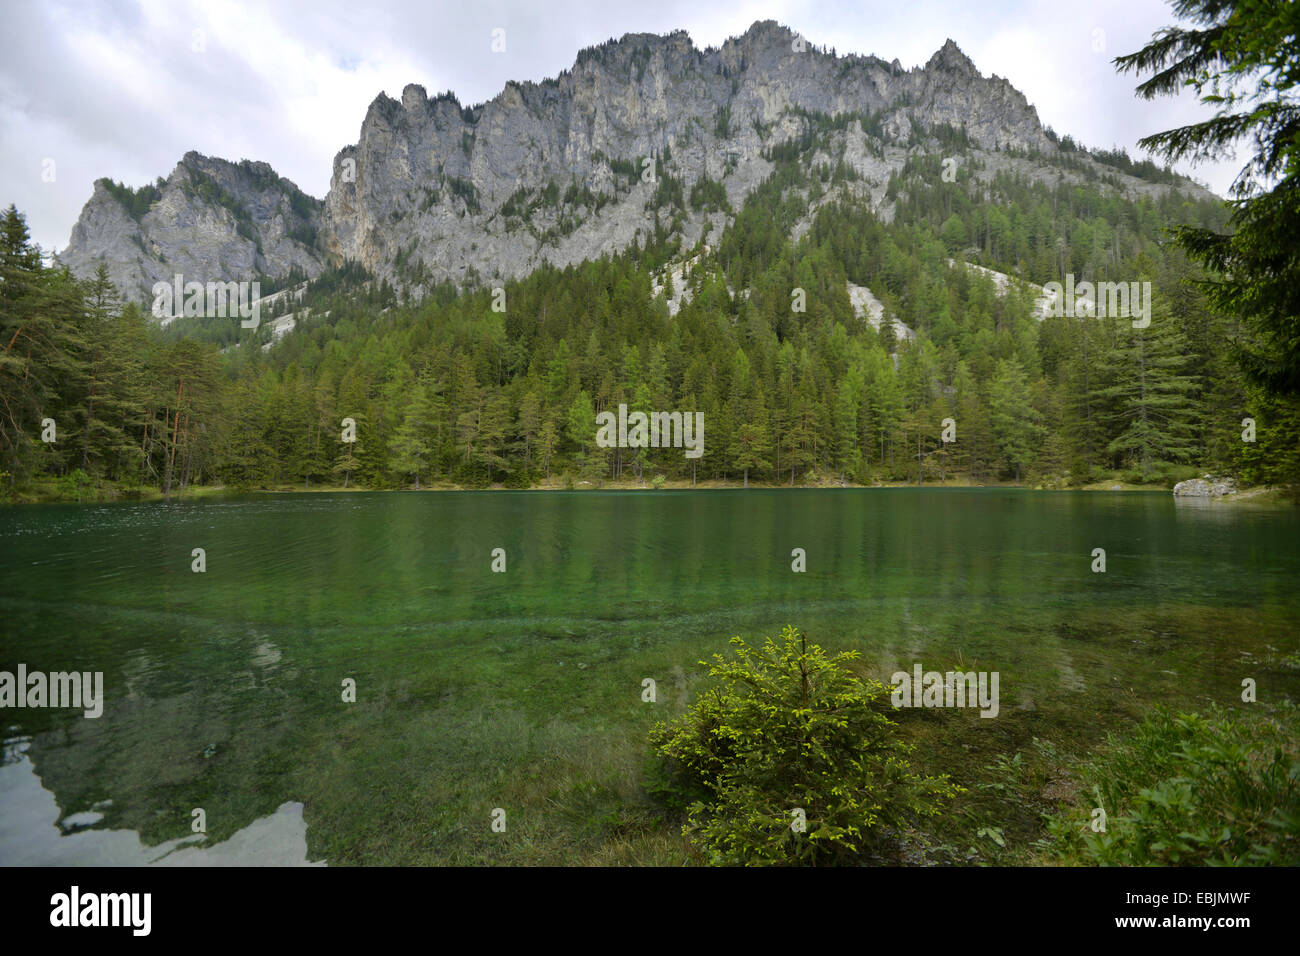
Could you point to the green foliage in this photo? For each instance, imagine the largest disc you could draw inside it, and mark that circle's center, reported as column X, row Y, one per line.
column 722, row 122
column 203, row 187
column 306, row 234
column 516, row 205
column 550, row 195
column 581, row 195
column 626, row 168
column 1015, row 421
column 74, row 484
column 1274, row 457
column 1221, row 788
column 710, row 195
column 669, row 192
column 137, row 202
column 1141, row 169
column 130, row 406
column 1151, row 398
column 951, row 138
column 1241, row 60
column 467, row 193
column 302, row 205
column 787, row 726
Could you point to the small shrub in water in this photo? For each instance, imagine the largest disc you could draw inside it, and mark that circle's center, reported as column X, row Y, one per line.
column 784, row 728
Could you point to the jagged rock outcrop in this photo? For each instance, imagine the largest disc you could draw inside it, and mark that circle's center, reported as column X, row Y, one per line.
column 554, row 172
column 429, row 181
column 210, row 220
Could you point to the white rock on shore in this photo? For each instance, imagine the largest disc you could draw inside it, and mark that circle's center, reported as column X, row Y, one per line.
column 1205, row 487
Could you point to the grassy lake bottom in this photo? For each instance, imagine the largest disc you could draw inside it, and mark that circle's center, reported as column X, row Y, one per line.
column 522, row 690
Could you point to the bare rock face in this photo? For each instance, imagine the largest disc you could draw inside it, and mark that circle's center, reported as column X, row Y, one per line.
column 432, row 182
column 210, row 220
column 106, row 232
column 578, row 166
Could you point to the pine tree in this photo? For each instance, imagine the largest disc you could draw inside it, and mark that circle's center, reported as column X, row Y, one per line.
column 1015, row 421
column 848, row 456
column 1253, row 266
column 749, row 450
column 412, row 446
column 529, row 426
column 580, row 425
column 1154, row 400
column 41, row 314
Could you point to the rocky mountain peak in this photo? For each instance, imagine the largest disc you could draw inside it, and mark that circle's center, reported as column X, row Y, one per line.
column 414, row 98
column 949, row 58
column 210, row 220
column 764, row 33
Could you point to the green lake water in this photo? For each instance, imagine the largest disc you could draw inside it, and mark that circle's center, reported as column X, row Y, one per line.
column 522, row 690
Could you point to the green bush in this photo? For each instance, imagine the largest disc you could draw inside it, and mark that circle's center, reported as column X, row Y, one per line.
column 74, row 484
column 1172, row 474
column 785, row 726
column 1136, row 476
column 1190, row 789
column 709, row 194
column 519, row 478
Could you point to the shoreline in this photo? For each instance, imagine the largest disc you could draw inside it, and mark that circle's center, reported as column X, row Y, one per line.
column 1258, row 495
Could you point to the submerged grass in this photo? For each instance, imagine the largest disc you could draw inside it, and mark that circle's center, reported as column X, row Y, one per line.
column 567, row 759
column 523, row 691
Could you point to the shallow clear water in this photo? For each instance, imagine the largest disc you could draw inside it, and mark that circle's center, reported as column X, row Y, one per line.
column 223, row 689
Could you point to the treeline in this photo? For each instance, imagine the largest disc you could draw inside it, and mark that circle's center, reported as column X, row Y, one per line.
column 793, row 385
column 87, row 390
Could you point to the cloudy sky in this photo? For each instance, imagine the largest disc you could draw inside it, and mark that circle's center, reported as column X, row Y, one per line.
column 123, row 88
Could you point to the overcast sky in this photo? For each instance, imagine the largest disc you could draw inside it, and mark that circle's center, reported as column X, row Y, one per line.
column 124, row 88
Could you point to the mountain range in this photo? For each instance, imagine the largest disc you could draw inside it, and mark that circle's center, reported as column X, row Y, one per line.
column 644, row 136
